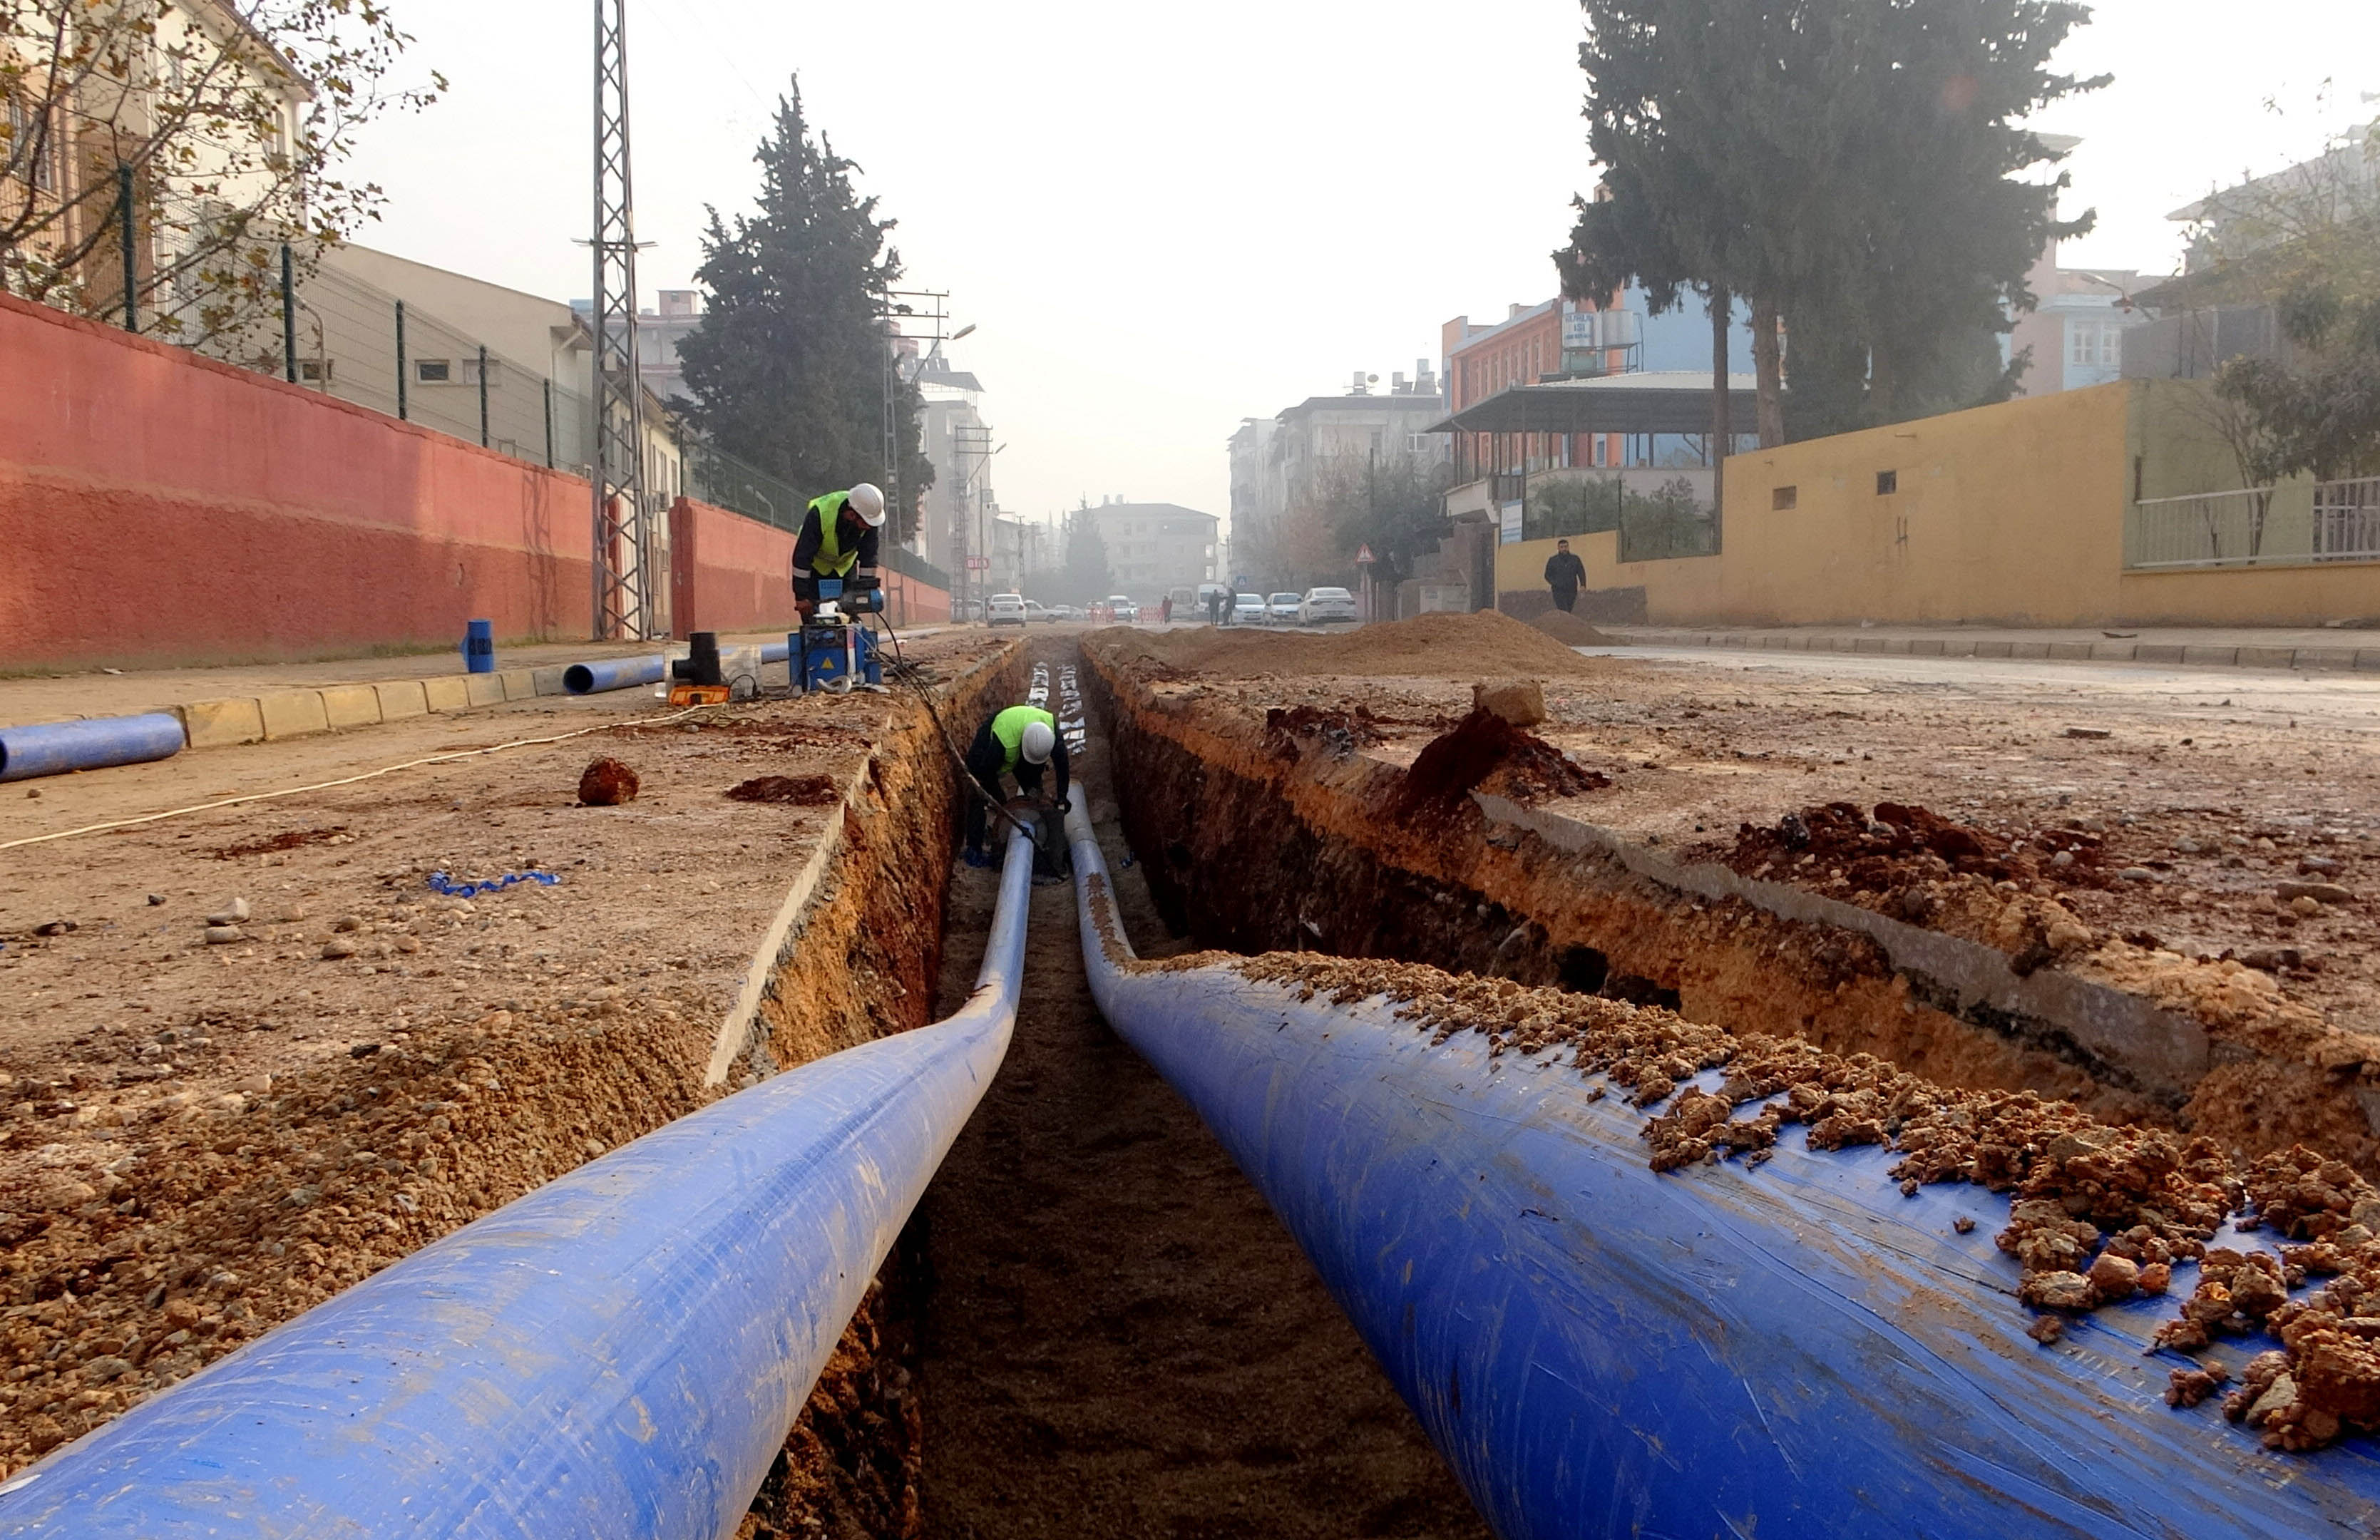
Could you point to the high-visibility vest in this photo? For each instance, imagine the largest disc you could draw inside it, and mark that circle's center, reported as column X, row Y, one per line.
column 832, row 560
column 1008, row 730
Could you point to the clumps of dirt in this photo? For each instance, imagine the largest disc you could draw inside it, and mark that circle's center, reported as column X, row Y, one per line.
column 1432, row 646
column 1570, row 631
column 2099, row 1213
column 1903, row 843
column 1342, row 733
column 292, row 839
column 799, row 791
column 606, row 782
column 1484, row 749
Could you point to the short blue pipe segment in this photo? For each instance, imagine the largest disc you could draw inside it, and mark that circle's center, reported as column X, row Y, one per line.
column 55, row 747
column 1791, row 1352
column 619, row 1353
column 479, row 646
column 613, row 674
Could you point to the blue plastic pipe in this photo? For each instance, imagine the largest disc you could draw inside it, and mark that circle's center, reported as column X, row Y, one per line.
column 1791, row 1352
column 620, row 1353
column 55, row 747
column 621, row 673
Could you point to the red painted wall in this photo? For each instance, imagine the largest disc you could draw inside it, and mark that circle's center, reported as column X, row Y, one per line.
column 159, row 509
column 730, row 573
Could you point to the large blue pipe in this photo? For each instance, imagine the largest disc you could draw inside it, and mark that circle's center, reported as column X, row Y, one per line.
column 55, row 747
column 621, row 673
column 620, row 1353
column 1791, row 1351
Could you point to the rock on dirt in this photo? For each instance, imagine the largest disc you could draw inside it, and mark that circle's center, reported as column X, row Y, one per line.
column 606, row 782
column 1521, row 702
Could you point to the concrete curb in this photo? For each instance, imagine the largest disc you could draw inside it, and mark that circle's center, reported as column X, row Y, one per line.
column 2359, row 660
column 270, row 718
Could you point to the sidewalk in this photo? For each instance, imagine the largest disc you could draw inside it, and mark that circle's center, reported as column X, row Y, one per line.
column 2241, row 646
column 521, row 672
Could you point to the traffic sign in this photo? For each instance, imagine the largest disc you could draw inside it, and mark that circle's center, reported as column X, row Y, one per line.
column 979, row 564
column 1364, row 557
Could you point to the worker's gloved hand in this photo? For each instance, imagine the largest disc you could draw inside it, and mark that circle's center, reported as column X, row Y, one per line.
column 1065, row 805
column 976, row 858
column 805, row 608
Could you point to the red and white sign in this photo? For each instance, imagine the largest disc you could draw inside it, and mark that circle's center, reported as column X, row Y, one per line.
column 1364, row 557
column 979, row 564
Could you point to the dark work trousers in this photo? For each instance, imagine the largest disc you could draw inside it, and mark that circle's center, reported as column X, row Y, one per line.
column 1564, row 598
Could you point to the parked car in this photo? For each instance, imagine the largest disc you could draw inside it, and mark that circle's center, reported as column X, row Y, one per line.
column 1281, row 610
column 1122, row 608
column 1248, row 610
column 1005, row 608
column 1322, row 605
column 1036, row 610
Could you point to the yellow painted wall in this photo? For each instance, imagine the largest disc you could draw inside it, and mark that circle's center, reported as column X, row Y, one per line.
column 2009, row 515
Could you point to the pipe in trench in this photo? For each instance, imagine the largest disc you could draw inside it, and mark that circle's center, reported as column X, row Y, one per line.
column 55, row 747
column 619, row 1353
column 1795, row 1352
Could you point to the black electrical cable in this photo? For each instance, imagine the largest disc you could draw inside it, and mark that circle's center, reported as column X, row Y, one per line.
column 907, row 673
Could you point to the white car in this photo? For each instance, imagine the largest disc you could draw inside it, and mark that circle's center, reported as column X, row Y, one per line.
column 1322, row 605
column 1248, row 610
column 1005, row 608
column 1122, row 608
column 1035, row 610
column 1281, row 610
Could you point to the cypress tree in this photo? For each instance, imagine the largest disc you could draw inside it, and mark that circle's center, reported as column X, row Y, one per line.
column 787, row 366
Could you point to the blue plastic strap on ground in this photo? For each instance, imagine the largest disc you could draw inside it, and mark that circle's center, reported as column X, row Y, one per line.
column 451, row 888
column 1792, row 1352
column 56, row 747
column 620, row 1353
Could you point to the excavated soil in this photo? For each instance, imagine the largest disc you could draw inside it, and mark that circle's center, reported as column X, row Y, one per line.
column 1120, row 1340
column 205, row 1139
column 1570, row 631
column 1281, row 809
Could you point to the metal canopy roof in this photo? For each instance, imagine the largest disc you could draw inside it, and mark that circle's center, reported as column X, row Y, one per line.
column 1673, row 401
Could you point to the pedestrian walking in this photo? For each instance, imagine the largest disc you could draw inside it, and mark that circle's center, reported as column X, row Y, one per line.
column 1565, row 574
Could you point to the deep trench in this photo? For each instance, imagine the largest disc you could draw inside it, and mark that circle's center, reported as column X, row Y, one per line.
column 1114, row 1337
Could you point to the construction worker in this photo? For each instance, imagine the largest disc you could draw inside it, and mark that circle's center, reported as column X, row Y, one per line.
column 838, row 539
column 1016, row 742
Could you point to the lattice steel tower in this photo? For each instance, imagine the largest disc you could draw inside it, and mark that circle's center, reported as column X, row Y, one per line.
column 623, row 544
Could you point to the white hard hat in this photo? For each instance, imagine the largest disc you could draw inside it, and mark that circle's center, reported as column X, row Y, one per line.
column 1038, row 742
column 868, row 503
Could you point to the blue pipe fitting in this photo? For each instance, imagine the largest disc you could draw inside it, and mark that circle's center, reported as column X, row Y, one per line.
column 55, row 747
column 621, row 1352
column 1794, row 1352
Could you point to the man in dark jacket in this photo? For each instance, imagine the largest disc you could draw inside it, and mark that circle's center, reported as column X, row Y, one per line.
column 839, row 538
column 1565, row 574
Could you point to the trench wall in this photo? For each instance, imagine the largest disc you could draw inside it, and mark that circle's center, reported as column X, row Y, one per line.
column 1254, row 842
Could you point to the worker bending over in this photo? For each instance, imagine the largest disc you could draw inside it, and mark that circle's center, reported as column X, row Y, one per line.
column 838, row 539
column 1016, row 742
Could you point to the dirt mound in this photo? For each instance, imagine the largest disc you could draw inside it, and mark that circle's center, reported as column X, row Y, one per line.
column 1434, row 645
column 1481, row 744
column 1901, row 844
column 1570, row 631
column 802, row 791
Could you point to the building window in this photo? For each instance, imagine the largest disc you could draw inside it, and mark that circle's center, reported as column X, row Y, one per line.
column 315, row 372
column 1887, row 482
column 496, row 373
column 1783, row 498
column 1416, row 442
column 434, row 371
column 2093, row 345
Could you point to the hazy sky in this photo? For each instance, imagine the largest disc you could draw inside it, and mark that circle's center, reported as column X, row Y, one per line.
column 1164, row 219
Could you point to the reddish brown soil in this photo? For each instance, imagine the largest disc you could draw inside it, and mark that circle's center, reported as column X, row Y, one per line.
column 607, row 782
column 800, row 791
column 1121, row 1340
column 1482, row 745
column 205, row 1140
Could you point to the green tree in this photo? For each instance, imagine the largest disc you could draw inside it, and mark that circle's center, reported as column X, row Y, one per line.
column 788, row 365
column 1847, row 164
column 1085, row 578
column 1396, row 504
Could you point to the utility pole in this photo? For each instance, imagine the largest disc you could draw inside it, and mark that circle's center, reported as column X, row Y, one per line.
column 622, row 525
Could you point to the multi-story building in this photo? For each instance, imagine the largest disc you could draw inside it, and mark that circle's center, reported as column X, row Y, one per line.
column 1285, row 469
column 659, row 331
column 2074, row 333
column 953, row 522
column 1156, row 548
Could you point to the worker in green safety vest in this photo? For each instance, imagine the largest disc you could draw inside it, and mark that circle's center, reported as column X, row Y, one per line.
column 839, row 537
column 1016, row 742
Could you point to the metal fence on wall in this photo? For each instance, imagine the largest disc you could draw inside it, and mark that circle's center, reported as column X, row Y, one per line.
column 721, row 480
column 2328, row 521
